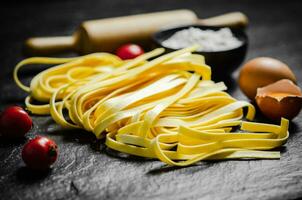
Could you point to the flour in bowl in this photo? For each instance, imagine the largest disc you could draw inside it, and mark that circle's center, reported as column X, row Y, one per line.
column 208, row 40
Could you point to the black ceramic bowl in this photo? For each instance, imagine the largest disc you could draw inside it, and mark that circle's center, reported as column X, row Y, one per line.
column 223, row 63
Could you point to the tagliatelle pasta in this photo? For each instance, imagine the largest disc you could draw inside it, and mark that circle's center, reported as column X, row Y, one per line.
column 166, row 107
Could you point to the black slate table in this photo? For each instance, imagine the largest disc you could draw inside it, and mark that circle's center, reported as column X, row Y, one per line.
column 87, row 170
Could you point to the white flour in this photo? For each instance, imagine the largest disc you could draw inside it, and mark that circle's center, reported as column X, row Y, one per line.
column 209, row 40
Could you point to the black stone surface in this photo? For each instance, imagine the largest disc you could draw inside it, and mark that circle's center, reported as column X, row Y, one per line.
column 87, row 170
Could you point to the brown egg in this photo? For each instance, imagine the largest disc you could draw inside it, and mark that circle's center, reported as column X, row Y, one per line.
column 260, row 72
column 280, row 99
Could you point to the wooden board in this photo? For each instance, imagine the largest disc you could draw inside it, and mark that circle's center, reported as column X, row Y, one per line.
column 86, row 169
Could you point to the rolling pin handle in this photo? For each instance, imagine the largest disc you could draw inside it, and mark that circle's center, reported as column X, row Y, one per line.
column 232, row 19
column 49, row 45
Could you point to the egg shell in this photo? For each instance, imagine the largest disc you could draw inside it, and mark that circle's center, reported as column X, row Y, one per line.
column 260, row 72
column 275, row 107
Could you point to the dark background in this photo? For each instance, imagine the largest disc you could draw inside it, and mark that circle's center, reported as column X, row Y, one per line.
column 86, row 169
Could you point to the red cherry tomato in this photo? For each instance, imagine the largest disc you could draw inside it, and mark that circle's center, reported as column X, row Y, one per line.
column 14, row 122
column 129, row 51
column 40, row 153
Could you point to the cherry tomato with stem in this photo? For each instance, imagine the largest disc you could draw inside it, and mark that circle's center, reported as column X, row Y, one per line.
column 40, row 153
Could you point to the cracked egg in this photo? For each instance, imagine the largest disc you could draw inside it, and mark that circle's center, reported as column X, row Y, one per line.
column 280, row 99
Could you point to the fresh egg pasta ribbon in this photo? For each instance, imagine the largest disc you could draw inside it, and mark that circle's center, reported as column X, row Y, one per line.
column 164, row 107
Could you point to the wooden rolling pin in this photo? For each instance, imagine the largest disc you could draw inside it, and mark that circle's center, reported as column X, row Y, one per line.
column 108, row 34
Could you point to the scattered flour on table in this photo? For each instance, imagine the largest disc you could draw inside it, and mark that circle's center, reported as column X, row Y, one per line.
column 209, row 40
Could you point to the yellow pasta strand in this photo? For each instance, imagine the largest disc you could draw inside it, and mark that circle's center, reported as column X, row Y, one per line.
column 166, row 108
